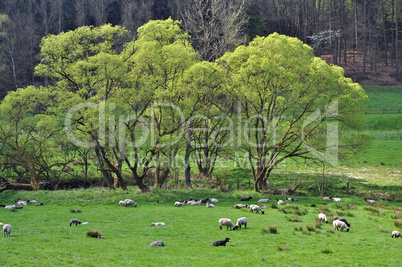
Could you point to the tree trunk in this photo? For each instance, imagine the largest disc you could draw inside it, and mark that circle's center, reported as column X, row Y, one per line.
column 396, row 41
column 161, row 176
column 187, row 168
column 105, row 173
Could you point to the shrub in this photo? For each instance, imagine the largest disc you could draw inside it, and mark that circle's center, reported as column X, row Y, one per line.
column 383, row 230
column 274, row 206
column 326, row 250
column 294, row 219
column 310, row 228
column 313, row 205
column 398, row 223
column 284, row 248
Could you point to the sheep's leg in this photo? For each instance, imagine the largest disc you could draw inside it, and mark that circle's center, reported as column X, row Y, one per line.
column 245, row 226
column 220, row 227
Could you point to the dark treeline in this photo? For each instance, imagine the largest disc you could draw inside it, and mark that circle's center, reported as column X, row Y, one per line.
column 363, row 27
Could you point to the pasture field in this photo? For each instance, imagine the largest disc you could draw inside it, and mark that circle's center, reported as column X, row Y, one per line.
column 41, row 236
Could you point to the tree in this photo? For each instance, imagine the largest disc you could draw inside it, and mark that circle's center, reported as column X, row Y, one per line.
column 288, row 99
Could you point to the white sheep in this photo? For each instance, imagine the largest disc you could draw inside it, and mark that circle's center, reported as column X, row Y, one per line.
column 1, row 224
column 240, row 222
column 396, row 234
column 369, row 201
column 213, row 200
column 12, row 207
column 157, row 244
column 340, row 224
column 228, row 223
column 7, row 229
column 323, row 217
column 179, row 204
column 196, row 203
column 210, row 205
column 20, row 202
column 256, row 208
column 280, row 202
column 32, row 201
column 130, row 202
column 121, row 202
column 239, row 206
column 290, row 199
column 336, row 199
column 158, row 224
column 326, row 198
column 264, row 200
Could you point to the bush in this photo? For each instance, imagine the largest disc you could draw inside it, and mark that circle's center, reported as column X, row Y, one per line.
column 271, row 229
column 398, row 223
column 326, row 250
column 284, row 248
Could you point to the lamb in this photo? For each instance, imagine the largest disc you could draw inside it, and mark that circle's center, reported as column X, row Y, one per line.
column 246, row 199
column 396, row 234
column 158, row 224
column 340, row 224
column 159, row 202
column 228, row 223
column 157, row 244
column 341, row 219
column 210, row 205
column 74, row 221
column 220, row 242
column 327, row 198
column 12, row 207
column 239, row 206
column 240, row 222
column 32, row 201
column 280, row 202
column 369, row 201
column 191, row 201
column 180, row 204
column 256, row 208
column 130, row 202
column 336, row 199
column 20, row 202
column 213, row 200
column 7, row 229
column 264, row 200
column 290, row 199
column 322, row 217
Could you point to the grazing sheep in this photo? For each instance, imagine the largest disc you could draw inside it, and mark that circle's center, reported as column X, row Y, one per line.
column 191, row 201
column 336, row 199
column 195, row 203
column 280, row 202
column 220, row 242
column 323, row 217
column 240, row 222
column 32, row 201
column 256, row 208
column 341, row 219
column 264, row 200
column 369, row 201
column 121, row 202
column 228, row 223
column 290, row 199
column 210, row 205
column 157, row 244
column 39, row 204
column 159, row 202
column 1, row 224
column 7, row 229
column 158, row 224
column 20, row 202
column 340, row 224
column 213, row 200
column 239, row 206
column 396, row 234
column 130, row 202
column 327, row 198
column 74, row 221
column 95, row 234
column 180, row 204
column 12, row 207
column 246, row 199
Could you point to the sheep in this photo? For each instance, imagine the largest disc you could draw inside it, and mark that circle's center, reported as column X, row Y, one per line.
column 95, row 234
column 396, row 234
column 157, row 244
column 158, row 224
column 204, row 200
column 336, row 199
column 191, row 201
column 239, row 206
column 159, row 202
column 84, row 223
column 246, row 199
column 220, row 242
column 280, row 202
column 20, row 202
column 39, row 204
column 210, row 205
column 32, row 201
column 74, row 221
column 264, row 200
column 290, row 199
column 228, row 223
column 12, row 207
column 327, row 198
column 180, row 204
column 340, row 224
column 7, row 229
column 369, row 201
column 130, row 202
column 256, row 209
column 121, row 202
column 195, row 203
column 213, row 200
column 240, row 222
column 341, row 219
column 1, row 224
column 323, row 217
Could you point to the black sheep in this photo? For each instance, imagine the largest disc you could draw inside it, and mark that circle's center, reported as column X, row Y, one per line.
column 341, row 219
column 74, row 221
column 246, row 199
column 220, row 242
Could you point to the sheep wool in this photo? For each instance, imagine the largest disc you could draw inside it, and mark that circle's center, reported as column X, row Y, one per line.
column 239, row 206
column 226, row 222
column 340, row 224
column 256, row 208
column 241, row 221
column 323, row 217
column 210, row 205
column 264, row 200
column 213, row 200
column 7, row 229
column 396, row 234
column 157, row 244
column 280, row 202
column 158, row 224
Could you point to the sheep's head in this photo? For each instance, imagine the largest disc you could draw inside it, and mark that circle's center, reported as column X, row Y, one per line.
column 227, row 239
column 262, row 212
column 347, row 230
column 235, row 227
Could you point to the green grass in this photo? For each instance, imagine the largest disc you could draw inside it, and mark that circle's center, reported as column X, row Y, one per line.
column 384, row 97
column 42, row 235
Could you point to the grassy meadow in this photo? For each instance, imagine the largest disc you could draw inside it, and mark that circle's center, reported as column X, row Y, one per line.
column 42, row 235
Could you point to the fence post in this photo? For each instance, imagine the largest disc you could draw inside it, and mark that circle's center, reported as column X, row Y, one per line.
column 384, row 137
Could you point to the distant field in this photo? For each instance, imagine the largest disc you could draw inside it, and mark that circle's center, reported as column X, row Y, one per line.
column 384, row 97
column 42, row 235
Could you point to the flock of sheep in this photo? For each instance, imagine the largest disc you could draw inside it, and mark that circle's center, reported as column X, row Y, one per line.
column 338, row 222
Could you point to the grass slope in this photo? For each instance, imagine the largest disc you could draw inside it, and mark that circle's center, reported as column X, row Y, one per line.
column 42, row 235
